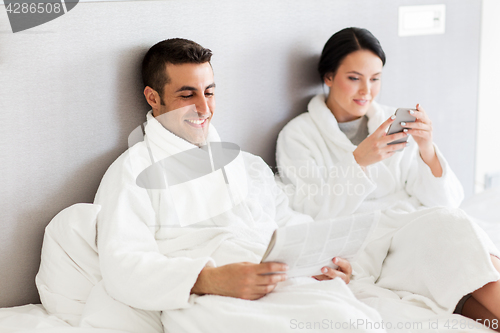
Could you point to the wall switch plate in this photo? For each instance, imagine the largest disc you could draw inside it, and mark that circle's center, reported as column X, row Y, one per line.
column 422, row 20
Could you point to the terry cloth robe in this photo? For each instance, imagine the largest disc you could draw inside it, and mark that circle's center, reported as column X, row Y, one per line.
column 418, row 249
column 314, row 156
column 152, row 246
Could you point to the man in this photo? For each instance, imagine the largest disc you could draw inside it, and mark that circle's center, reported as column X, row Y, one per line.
column 165, row 241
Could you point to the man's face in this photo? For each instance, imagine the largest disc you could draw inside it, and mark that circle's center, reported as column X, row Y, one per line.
column 188, row 101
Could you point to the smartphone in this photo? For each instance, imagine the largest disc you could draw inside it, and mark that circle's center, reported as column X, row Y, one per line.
column 402, row 114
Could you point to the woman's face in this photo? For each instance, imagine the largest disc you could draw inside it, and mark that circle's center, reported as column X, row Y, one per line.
column 354, row 86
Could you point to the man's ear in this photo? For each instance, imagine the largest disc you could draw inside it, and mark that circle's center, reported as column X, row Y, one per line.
column 152, row 97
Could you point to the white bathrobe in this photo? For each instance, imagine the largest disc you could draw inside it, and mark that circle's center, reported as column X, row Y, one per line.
column 417, row 253
column 314, row 156
column 153, row 243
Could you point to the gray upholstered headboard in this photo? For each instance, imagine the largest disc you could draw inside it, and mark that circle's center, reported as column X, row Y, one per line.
column 70, row 92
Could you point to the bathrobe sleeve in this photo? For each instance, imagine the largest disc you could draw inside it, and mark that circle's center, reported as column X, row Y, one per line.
column 134, row 271
column 272, row 197
column 286, row 216
column 431, row 191
column 318, row 190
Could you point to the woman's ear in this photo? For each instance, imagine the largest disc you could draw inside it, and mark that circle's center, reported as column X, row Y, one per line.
column 329, row 79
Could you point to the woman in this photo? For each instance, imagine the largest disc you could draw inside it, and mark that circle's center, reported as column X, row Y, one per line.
column 335, row 160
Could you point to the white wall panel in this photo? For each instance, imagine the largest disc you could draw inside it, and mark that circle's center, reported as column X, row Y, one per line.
column 487, row 150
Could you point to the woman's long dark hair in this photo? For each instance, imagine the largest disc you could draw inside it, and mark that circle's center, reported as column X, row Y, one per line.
column 344, row 42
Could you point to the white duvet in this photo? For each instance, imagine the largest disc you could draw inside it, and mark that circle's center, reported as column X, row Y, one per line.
column 404, row 315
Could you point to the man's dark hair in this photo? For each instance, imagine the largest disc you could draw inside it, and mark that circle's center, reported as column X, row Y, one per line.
column 343, row 43
column 172, row 51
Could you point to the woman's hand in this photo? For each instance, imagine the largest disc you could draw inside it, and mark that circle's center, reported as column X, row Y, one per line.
column 421, row 130
column 375, row 147
column 344, row 271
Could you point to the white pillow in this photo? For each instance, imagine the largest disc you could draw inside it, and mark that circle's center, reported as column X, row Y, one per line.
column 69, row 266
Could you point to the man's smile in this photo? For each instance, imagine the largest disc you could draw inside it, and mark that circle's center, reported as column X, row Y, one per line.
column 197, row 123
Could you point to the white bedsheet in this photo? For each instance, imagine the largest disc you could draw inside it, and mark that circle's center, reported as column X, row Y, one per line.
column 33, row 318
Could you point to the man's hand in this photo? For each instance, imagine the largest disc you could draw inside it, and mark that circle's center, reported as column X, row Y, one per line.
column 241, row 280
column 344, row 271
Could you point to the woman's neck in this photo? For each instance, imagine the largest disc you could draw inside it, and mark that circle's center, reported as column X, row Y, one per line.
column 340, row 115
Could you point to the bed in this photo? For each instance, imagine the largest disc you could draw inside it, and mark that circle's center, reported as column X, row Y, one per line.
column 77, row 225
column 71, row 94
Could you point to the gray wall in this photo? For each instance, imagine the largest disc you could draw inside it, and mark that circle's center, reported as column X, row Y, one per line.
column 70, row 93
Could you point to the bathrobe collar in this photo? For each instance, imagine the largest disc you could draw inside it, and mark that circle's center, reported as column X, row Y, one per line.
column 168, row 141
column 328, row 126
column 192, row 184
